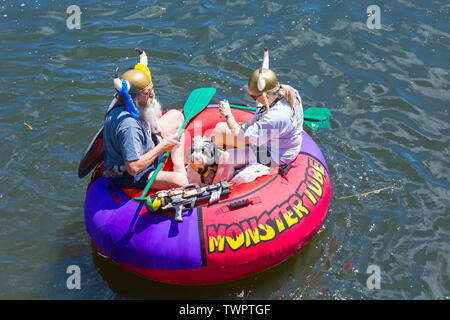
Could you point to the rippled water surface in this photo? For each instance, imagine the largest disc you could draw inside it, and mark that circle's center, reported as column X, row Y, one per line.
column 387, row 90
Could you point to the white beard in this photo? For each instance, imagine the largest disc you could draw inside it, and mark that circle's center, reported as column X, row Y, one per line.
column 149, row 115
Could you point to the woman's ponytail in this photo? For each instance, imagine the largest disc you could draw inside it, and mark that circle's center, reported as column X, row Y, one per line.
column 287, row 92
column 290, row 95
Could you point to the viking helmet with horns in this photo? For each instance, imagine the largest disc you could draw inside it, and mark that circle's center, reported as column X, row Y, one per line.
column 263, row 79
column 133, row 81
column 138, row 78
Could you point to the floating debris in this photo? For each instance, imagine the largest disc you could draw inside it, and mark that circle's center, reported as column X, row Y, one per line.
column 28, row 125
column 366, row 193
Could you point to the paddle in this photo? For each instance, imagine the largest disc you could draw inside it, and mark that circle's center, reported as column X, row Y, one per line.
column 95, row 151
column 196, row 103
column 315, row 118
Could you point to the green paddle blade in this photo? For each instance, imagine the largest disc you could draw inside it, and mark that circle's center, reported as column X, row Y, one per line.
column 197, row 101
column 317, row 118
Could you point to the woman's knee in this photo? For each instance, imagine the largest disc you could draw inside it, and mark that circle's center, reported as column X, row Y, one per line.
column 221, row 127
column 224, row 158
column 218, row 135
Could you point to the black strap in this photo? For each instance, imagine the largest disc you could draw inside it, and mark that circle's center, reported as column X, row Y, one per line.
column 117, row 105
column 284, row 169
column 278, row 98
column 274, row 102
column 202, row 174
column 154, row 139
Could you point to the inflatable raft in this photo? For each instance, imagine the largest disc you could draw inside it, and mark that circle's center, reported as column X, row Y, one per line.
column 258, row 225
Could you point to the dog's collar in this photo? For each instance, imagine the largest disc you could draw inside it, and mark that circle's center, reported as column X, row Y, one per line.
column 205, row 171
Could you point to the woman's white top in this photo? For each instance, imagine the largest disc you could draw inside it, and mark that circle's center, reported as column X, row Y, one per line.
column 280, row 129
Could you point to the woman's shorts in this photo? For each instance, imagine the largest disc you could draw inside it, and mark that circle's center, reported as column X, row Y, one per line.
column 263, row 156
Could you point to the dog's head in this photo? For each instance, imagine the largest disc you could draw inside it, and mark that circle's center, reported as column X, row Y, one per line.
column 203, row 152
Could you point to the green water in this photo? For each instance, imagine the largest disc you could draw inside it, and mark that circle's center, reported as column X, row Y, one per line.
column 387, row 90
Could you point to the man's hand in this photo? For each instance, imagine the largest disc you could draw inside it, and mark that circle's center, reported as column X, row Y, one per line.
column 169, row 142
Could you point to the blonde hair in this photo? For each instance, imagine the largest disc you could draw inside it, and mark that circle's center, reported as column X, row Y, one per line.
column 290, row 95
column 284, row 91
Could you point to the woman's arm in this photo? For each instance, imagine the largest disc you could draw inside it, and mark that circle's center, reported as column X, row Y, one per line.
column 235, row 129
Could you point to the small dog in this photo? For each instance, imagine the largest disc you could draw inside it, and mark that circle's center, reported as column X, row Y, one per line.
column 203, row 161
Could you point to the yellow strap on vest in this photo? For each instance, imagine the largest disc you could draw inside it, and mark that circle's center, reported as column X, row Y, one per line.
column 206, row 173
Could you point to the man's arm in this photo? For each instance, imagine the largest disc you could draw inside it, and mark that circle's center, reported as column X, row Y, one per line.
column 136, row 166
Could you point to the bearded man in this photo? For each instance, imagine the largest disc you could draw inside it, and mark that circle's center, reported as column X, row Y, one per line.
column 135, row 142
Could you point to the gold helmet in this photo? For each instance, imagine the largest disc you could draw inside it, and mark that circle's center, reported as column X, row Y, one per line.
column 263, row 79
column 138, row 78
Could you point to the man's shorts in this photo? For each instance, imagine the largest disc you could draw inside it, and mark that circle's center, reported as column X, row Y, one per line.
column 140, row 180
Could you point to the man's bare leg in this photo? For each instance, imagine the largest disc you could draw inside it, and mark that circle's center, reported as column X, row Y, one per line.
column 171, row 123
column 168, row 179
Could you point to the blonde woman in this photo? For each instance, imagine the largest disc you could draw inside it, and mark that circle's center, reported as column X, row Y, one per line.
column 274, row 136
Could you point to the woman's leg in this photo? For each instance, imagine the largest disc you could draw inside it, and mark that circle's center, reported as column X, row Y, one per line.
column 222, row 136
column 232, row 159
column 225, row 169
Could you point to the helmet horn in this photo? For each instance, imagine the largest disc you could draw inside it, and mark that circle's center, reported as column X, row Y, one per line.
column 117, row 82
column 265, row 64
column 261, row 81
column 142, row 57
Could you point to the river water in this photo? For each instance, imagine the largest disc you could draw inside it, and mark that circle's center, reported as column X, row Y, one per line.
column 387, row 90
